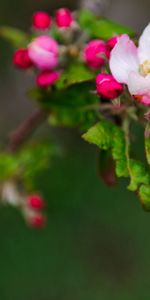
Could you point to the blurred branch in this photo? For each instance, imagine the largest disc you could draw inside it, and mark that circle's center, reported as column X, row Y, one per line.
column 24, row 131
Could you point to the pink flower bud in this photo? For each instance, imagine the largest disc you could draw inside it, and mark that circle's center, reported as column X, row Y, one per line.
column 43, row 52
column 21, row 59
column 108, row 87
column 35, row 202
column 37, row 221
column 47, row 78
column 144, row 99
column 95, row 53
column 111, row 44
column 41, row 20
column 64, row 18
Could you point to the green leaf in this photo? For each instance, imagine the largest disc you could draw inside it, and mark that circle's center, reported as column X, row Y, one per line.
column 147, row 142
column 76, row 97
column 108, row 136
column 16, row 37
column 144, row 194
column 118, row 152
column 138, row 175
column 72, row 106
column 137, row 170
column 72, row 118
column 101, row 135
column 76, row 73
column 101, row 28
column 33, row 159
column 8, row 166
column 86, row 19
column 105, row 29
column 27, row 164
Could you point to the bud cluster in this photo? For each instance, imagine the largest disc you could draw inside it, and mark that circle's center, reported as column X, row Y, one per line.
column 31, row 206
column 42, row 53
column 45, row 54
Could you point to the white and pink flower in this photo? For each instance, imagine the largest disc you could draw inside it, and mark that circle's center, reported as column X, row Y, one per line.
column 130, row 65
column 44, row 52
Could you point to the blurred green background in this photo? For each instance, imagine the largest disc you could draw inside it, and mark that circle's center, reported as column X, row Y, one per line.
column 96, row 244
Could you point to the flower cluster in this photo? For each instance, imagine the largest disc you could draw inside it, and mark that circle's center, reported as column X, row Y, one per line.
column 33, row 211
column 31, row 206
column 81, row 63
column 42, row 53
column 96, row 55
column 129, row 66
column 122, row 62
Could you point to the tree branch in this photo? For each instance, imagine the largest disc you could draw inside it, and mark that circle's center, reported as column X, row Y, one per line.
column 24, row 131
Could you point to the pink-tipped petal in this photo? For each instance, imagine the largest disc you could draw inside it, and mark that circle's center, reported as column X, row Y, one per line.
column 144, row 45
column 123, row 59
column 43, row 52
column 146, row 100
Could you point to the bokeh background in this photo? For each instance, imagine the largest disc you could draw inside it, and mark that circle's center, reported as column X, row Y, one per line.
column 97, row 241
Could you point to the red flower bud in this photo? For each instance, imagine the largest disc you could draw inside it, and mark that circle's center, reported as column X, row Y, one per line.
column 111, row 43
column 47, row 78
column 94, row 53
column 64, row 18
column 41, row 20
column 108, row 87
column 21, row 59
column 107, row 168
column 37, row 221
column 35, row 201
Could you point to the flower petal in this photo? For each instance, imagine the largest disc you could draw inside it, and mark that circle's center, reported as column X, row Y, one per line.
column 145, row 100
column 144, row 45
column 123, row 59
column 138, row 85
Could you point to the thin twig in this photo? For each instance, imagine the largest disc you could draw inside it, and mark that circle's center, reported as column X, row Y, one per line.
column 24, row 131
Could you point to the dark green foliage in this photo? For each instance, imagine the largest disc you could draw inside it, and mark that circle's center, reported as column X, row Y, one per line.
column 108, row 136
column 101, row 28
column 26, row 164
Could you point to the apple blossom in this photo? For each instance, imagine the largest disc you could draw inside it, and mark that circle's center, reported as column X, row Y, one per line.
column 43, row 52
column 107, row 87
column 130, row 65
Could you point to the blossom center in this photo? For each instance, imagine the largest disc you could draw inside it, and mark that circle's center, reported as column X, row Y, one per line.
column 145, row 68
